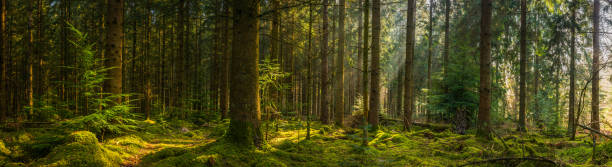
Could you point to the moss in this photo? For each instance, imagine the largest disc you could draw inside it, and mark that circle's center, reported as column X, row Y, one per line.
column 269, row 162
column 82, row 137
column 130, row 140
column 82, row 150
column 243, row 133
column 3, row 149
column 163, row 154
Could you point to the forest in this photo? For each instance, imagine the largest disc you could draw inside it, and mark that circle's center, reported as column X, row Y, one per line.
column 283, row 83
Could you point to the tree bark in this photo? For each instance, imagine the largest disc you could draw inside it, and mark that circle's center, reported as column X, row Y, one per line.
column 114, row 47
column 595, row 75
column 523, row 68
column 375, row 73
column 572, row 94
column 324, row 78
column 484, row 107
column 244, row 95
column 3, row 63
column 408, row 83
column 225, row 92
column 429, row 50
column 339, row 97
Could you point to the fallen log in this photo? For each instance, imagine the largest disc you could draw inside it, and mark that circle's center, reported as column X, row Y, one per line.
column 434, row 127
column 512, row 159
column 596, row 131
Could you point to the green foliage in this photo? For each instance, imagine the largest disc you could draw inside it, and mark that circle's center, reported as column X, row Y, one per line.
column 114, row 121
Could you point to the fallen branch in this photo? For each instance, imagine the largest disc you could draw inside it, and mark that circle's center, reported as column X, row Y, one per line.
column 434, row 127
column 512, row 159
column 596, row 131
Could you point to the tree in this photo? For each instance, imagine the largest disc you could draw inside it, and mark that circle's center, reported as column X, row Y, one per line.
column 409, row 94
column 484, row 107
column 364, row 70
column 114, row 47
column 571, row 125
column 375, row 70
column 523, row 68
column 244, row 95
column 595, row 68
column 446, row 37
column 429, row 48
column 324, row 79
column 225, row 92
column 3, row 63
column 339, row 93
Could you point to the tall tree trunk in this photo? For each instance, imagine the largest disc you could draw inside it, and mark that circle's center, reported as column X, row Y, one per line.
column 364, row 69
column 484, row 107
column 408, row 84
column 309, row 73
column 324, row 78
column 147, row 90
column 30, row 60
column 114, row 47
column 429, row 48
column 245, row 117
column 571, row 125
column 180, row 57
column 375, row 73
column 523, row 68
column 446, row 51
column 596, row 53
column 339, row 97
column 225, row 92
column 3, row 63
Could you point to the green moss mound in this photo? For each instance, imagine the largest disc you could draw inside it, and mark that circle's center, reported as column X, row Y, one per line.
column 82, row 137
column 82, row 150
column 3, row 150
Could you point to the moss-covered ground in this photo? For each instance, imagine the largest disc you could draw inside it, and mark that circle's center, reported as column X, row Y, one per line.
column 185, row 144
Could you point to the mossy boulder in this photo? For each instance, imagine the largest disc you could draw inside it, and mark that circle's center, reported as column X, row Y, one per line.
column 82, row 150
column 83, row 137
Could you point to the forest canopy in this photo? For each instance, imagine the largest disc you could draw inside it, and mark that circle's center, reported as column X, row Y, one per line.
column 305, row 83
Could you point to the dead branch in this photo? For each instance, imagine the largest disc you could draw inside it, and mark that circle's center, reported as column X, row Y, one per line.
column 596, row 131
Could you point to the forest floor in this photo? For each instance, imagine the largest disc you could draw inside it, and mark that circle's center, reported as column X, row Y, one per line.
column 185, row 144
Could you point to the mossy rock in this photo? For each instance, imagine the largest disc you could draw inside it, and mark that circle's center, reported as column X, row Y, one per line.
column 83, row 137
column 82, row 150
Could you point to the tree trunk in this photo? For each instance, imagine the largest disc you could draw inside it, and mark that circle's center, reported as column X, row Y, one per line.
column 571, row 125
column 114, row 47
column 3, row 62
column 339, row 97
column 446, row 51
column 484, row 107
column 408, row 84
column 324, row 79
column 523, row 68
column 375, row 73
column 225, row 92
column 245, row 117
column 596, row 53
column 429, row 49
column 30, row 60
